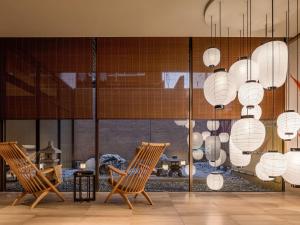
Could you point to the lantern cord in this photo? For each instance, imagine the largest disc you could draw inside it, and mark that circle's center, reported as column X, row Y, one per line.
column 211, row 32
column 266, row 27
column 243, row 34
column 240, row 43
column 215, row 34
column 247, row 39
column 287, row 42
column 250, row 39
column 220, row 11
column 228, row 48
column 273, row 88
column 297, row 65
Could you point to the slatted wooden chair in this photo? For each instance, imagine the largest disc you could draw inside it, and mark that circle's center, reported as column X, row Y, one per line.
column 133, row 180
column 33, row 180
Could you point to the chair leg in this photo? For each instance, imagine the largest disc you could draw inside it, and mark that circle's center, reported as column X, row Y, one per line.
column 136, row 195
column 111, row 193
column 126, row 200
column 19, row 198
column 59, row 194
column 147, row 197
column 39, row 198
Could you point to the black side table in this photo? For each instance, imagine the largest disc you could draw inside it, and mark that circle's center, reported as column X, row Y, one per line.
column 84, row 186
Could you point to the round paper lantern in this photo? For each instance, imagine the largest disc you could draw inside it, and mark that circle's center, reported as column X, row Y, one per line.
column 273, row 163
column 261, row 174
column 273, row 54
column 197, row 140
column 237, row 158
column 292, row 173
column 240, row 71
column 288, row 122
column 186, row 170
column 215, row 181
column 218, row 89
column 212, row 148
column 205, row 134
column 187, row 124
column 224, row 137
column 181, row 122
column 251, row 93
column 198, row 154
column 287, row 136
column 221, row 160
column 211, row 57
column 248, row 134
column 213, row 125
column 252, row 110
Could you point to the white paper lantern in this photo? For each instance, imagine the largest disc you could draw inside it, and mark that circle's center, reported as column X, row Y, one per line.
column 197, row 140
column 292, row 173
column 215, row 181
column 240, row 71
column 224, row 137
column 197, row 154
column 221, row 160
column 181, row 122
column 251, row 93
column 187, row 124
column 273, row 54
column 287, row 136
column 252, row 110
column 205, row 134
column 218, row 89
column 237, row 158
column 213, row 125
column 212, row 148
column 248, row 134
column 288, row 123
column 211, row 57
column 273, row 163
column 261, row 174
column 186, row 170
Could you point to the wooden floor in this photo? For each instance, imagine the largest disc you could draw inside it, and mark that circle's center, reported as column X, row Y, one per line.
column 169, row 209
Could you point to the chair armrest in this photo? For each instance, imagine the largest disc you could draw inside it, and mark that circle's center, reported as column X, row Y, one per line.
column 114, row 169
column 48, row 170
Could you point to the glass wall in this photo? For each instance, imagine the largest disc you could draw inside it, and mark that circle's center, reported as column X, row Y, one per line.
column 58, row 91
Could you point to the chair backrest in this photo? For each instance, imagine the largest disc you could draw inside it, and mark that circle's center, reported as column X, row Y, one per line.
column 142, row 165
column 27, row 173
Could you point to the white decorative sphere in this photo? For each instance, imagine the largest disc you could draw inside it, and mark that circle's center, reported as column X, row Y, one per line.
column 251, row 93
column 90, row 164
column 187, row 124
column 221, row 160
column 212, row 148
column 205, row 134
column 197, row 140
column 213, row 125
column 288, row 122
column 211, row 57
column 181, row 122
column 240, row 71
column 248, row 134
column 215, row 181
column 287, row 136
column 218, row 89
column 273, row 163
column 253, row 110
column 224, row 137
column 273, row 54
column 261, row 174
column 197, row 154
column 292, row 173
column 237, row 158
column 186, row 170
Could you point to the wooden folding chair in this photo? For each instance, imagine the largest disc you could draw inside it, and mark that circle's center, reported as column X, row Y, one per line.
column 133, row 180
column 33, row 180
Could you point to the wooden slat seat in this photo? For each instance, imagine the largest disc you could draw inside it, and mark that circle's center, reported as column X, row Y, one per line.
column 33, row 180
column 133, row 180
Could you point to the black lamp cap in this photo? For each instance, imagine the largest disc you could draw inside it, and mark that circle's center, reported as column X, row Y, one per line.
column 247, row 116
column 220, row 70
